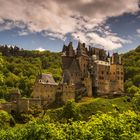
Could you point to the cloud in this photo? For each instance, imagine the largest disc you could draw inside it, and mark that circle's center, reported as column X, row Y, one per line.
column 23, row 32
column 9, row 24
column 56, row 18
column 55, row 35
column 1, row 21
column 40, row 49
column 102, row 36
column 138, row 31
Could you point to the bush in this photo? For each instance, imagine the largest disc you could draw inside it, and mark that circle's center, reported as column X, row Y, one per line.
column 124, row 126
column 5, row 119
column 71, row 111
column 133, row 90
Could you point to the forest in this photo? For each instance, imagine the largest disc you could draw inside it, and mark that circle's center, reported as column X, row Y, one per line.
column 19, row 69
column 90, row 119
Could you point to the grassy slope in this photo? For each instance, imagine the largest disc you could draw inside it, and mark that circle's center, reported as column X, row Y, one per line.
column 91, row 106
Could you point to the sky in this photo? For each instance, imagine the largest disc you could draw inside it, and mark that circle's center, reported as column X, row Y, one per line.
column 48, row 24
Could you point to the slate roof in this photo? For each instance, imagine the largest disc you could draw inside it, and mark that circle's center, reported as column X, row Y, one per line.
column 47, row 79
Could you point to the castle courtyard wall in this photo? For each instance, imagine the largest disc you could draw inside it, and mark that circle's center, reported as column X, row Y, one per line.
column 45, row 92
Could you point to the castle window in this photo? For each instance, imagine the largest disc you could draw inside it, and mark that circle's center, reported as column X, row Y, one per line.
column 114, row 73
column 82, row 79
column 118, row 78
column 102, row 72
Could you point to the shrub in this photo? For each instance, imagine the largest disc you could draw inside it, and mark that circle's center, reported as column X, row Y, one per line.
column 71, row 111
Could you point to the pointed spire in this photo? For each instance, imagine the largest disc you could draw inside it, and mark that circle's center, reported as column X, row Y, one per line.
column 79, row 44
column 108, row 55
column 64, row 48
column 69, row 50
column 70, row 44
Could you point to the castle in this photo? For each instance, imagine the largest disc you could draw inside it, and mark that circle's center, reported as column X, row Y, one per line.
column 86, row 72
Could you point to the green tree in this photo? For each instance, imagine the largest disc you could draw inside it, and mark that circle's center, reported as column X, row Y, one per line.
column 71, row 111
column 136, row 80
column 133, row 90
column 4, row 119
column 1, row 67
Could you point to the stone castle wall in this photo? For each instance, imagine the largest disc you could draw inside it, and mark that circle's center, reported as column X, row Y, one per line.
column 20, row 105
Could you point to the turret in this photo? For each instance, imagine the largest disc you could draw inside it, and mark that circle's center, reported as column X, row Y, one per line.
column 102, row 55
column 108, row 55
column 108, row 58
column 120, row 60
column 81, row 49
column 116, row 59
column 68, row 50
column 64, row 48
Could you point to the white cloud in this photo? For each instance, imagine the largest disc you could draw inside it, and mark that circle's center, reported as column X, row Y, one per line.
column 1, row 21
column 109, row 42
column 6, row 26
column 56, row 18
column 55, row 35
column 9, row 24
column 40, row 49
column 23, row 32
column 138, row 31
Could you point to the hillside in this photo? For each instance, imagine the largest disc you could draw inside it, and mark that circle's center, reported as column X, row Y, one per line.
column 21, row 67
column 131, row 62
column 91, row 118
column 103, row 119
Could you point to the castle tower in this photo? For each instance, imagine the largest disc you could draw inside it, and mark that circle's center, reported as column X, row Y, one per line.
column 68, row 55
column 100, row 53
column 68, row 50
column 83, row 58
column 81, row 49
column 117, row 74
column 70, row 65
column 115, row 59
